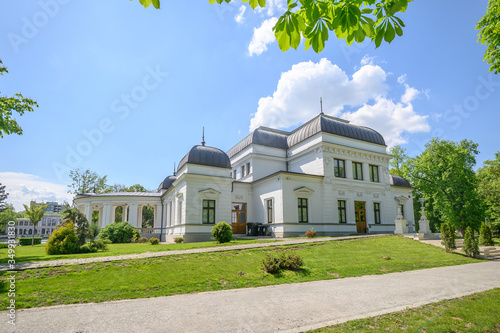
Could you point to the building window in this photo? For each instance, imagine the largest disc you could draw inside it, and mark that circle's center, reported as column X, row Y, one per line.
column 269, row 210
column 208, row 211
column 342, row 211
column 339, row 168
column 357, row 170
column 234, row 174
column 303, row 210
column 248, row 168
column 374, row 173
column 376, row 212
column 242, row 171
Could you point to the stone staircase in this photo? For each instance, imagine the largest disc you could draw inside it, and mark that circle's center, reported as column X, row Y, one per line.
column 489, row 252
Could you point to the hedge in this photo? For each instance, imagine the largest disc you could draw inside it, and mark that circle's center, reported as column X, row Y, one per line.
column 27, row 241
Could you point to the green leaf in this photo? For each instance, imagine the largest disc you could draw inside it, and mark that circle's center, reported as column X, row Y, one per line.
column 156, row 4
column 389, row 33
column 253, row 3
column 399, row 30
column 145, row 3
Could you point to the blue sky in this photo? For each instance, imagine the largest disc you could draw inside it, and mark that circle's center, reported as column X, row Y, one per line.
column 125, row 91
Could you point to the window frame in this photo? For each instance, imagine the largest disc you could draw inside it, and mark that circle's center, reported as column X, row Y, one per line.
column 377, row 216
column 342, row 208
column 355, row 174
column 269, row 210
column 336, row 168
column 371, row 168
column 209, row 209
column 303, row 208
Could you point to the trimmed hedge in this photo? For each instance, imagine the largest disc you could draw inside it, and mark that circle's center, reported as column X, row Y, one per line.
column 27, row 241
column 222, row 232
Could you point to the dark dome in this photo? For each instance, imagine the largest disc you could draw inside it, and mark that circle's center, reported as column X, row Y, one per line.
column 165, row 185
column 204, row 155
column 263, row 136
column 399, row 181
column 324, row 123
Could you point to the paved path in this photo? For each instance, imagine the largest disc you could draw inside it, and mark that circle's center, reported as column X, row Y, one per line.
column 55, row 263
column 284, row 308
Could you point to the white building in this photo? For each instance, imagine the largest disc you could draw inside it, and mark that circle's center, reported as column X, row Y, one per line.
column 327, row 174
column 44, row 228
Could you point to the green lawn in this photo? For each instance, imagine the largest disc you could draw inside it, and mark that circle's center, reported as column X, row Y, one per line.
column 37, row 253
column 475, row 313
column 180, row 274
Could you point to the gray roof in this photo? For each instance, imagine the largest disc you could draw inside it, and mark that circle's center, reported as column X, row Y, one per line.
column 332, row 125
column 204, row 155
column 399, row 181
column 263, row 136
column 322, row 123
column 167, row 183
column 118, row 194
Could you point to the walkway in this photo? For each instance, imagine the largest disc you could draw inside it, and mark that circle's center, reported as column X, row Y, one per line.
column 54, row 263
column 284, row 308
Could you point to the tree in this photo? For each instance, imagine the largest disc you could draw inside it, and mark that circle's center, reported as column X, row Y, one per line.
column 34, row 213
column 444, row 173
column 352, row 20
column 3, row 197
column 489, row 34
column 447, row 237
column 8, row 214
column 485, row 236
column 397, row 165
column 87, row 181
column 9, row 105
column 470, row 247
column 77, row 218
column 489, row 188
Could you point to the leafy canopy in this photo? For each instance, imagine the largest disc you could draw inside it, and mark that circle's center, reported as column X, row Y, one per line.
column 489, row 35
column 87, row 181
column 9, row 106
column 489, row 187
column 314, row 20
column 34, row 213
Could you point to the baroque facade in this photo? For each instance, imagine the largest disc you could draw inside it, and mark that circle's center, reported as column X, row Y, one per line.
column 327, row 174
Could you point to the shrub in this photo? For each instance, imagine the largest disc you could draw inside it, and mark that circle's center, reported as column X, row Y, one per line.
column 94, row 246
column 274, row 265
column 154, row 241
column 485, row 235
column 27, row 241
column 178, row 240
column 447, row 237
column 94, row 230
column 119, row 232
column 222, row 232
column 63, row 240
column 4, row 246
column 142, row 240
column 310, row 233
column 471, row 247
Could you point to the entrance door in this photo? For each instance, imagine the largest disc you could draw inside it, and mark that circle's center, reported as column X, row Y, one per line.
column 239, row 218
column 360, row 213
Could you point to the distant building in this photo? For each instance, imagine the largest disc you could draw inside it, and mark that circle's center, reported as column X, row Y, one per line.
column 53, row 207
column 44, row 228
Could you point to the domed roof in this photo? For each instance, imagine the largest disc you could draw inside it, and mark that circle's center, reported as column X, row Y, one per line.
column 263, row 136
column 328, row 124
column 165, row 185
column 204, row 155
column 399, row 181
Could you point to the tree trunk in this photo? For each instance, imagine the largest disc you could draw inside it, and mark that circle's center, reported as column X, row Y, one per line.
column 33, row 236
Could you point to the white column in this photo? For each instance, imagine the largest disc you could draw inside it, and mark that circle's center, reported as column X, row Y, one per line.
column 106, row 214
column 157, row 223
column 132, row 219
column 88, row 212
column 348, row 169
column 113, row 214
column 140, row 217
column 99, row 222
column 124, row 213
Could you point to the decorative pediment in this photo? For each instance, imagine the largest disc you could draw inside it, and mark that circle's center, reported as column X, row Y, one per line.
column 209, row 192
column 303, row 191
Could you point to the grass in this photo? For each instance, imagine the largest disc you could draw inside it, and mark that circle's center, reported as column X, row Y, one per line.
column 475, row 313
column 188, row 273
column 37, row 252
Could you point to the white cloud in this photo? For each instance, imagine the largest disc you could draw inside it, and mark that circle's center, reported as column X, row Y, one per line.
column 409, row 95
column 262, row 36
column 296, row 100
column 239, row 18
column 23, row 188
column 367, row 60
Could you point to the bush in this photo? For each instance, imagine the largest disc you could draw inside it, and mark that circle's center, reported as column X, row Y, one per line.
column 448, row 237
column 178, row 240
column 63, row 240
column 222, row 232
column 94, row 230
column 154, row 241
column 27, row 241
column 485, row 235
column 310, row 233
column 142, row 240
column 471, row 247
column 119, row 232
column 94, row 246
column 4, row 246
column 274, row 265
